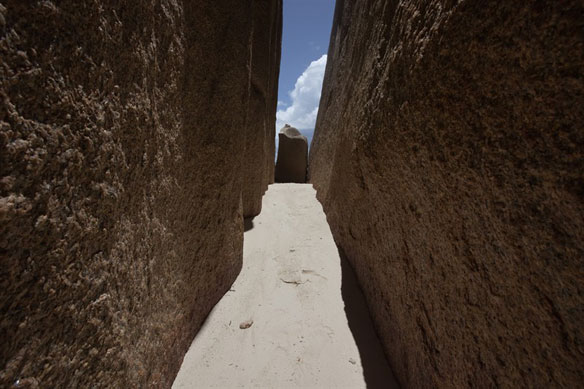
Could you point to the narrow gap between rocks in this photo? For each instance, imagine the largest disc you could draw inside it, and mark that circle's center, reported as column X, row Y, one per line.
column 295, row 316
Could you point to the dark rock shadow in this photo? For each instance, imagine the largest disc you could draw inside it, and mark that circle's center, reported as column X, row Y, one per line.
column 376, row 369
column 247, row 224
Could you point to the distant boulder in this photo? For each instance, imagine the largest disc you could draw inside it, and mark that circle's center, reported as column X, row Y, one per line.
column 292, row 163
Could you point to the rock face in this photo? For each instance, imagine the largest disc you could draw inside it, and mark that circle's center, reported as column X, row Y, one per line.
column 121, row 180
column 448, row 158
column 292, row 163
column 258, row 164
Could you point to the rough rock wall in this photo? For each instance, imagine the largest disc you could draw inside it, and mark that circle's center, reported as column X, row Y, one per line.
column 292, row 163
column 120, row 179
column 258, row 164
column 448, row 155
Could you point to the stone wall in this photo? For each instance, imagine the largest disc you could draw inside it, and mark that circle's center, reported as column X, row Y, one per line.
column 121, row 181
column 448, row 155
column 258, row 164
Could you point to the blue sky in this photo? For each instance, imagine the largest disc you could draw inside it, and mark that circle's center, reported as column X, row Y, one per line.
column 306, row 33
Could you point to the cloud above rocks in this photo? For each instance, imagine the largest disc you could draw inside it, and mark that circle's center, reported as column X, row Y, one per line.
column 301, row 113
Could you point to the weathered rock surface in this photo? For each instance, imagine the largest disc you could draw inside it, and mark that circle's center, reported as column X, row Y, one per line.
column 292, row 162
column 448, row 158
column 121, row 181
column 258, row 164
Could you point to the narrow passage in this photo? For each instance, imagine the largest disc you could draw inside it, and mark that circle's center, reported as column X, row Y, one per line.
column 300, row 334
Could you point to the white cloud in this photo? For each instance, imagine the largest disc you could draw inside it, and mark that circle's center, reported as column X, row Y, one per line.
column 305, row 98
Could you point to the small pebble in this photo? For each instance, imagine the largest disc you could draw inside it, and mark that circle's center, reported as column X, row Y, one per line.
column 246, row 324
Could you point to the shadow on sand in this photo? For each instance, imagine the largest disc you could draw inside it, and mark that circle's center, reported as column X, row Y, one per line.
column 376, row 369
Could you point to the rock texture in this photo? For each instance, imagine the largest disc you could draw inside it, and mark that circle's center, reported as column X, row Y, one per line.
column 292, row 163
column 121, row 180
column 448, row 155
column 258, row 164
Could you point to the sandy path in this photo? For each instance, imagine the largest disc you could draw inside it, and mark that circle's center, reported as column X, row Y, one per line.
column 290, row 287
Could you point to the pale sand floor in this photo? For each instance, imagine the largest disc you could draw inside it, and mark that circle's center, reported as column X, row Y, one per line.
column 290, row 287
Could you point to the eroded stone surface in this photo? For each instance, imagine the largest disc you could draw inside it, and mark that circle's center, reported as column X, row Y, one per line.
column 448, row 157
column 258, row 163
column 120, row 164
column 292, row 163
